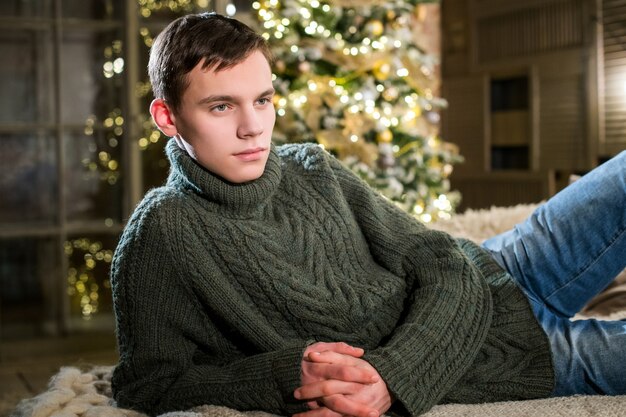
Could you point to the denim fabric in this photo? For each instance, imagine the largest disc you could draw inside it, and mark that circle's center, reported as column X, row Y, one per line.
column 564, row 254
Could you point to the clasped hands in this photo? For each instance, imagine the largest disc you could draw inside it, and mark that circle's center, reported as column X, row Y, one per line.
column 336, row 382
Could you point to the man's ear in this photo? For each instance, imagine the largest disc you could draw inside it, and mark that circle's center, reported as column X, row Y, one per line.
column 163, row 117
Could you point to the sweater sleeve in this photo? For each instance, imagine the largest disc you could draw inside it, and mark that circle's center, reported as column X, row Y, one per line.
column 172, row 356
column 448, row 311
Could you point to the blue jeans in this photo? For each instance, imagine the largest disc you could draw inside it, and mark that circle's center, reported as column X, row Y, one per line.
column 565, row 253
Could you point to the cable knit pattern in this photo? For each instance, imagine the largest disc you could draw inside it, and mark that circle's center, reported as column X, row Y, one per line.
column 219, row 287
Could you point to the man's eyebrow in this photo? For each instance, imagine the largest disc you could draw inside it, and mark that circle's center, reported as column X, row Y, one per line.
column 214, row 98
column 228, row 98
column 268, row 92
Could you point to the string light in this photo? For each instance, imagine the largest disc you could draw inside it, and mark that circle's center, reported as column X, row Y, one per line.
column 83, row 287
column 87, row 276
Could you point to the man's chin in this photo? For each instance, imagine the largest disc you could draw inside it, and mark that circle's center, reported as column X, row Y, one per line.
column 248, row 174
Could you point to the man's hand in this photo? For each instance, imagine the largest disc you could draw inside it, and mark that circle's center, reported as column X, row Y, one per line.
column 348, row 392
column 315, row 370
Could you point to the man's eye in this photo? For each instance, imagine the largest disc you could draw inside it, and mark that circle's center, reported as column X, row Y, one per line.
column 220, row 107
column 263, row 101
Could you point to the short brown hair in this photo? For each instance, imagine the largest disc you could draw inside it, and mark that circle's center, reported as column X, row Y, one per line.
column 221, row 42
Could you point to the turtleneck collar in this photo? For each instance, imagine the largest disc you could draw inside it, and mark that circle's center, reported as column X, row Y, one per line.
column 185, row 172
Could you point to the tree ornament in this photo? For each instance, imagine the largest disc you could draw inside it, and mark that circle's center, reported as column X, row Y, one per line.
column 385, row 156
column 381, row 70
column 304, row 67
column 375, row 28
column 433, row 117
column 420, row 13
column 386, row 136
column 390, row 93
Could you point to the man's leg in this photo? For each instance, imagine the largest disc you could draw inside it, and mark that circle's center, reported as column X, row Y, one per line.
column 574, row 245
column 568, row 250
column 588, row 355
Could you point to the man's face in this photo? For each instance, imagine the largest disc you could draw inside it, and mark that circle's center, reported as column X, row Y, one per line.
column 226, row 118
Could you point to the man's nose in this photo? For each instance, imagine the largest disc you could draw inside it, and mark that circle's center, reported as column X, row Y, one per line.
column 250, row 124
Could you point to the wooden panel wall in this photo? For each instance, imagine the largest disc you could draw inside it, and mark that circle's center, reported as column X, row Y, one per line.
column 553, row 42
column 553, row 26
column 562, row 127
column 503, row 189
column 614, row 18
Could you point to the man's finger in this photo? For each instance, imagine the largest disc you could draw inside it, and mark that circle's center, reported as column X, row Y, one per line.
column 338, row 358
column 344, row 373
column 338, row 347
column 326, row 388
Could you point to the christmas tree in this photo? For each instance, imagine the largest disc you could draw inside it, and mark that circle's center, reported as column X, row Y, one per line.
column 351, row 77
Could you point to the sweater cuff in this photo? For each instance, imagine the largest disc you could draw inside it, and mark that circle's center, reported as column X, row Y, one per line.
column 408, row 397
column 288, row 376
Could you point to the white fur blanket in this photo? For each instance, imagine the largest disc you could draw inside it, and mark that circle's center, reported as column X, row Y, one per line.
column 87, row 393
column 73, row 393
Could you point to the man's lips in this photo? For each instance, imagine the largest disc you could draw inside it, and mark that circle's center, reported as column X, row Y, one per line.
column 250, row 151
column 250, row 154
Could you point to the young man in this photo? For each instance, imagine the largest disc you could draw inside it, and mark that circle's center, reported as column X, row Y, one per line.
column 272, row 278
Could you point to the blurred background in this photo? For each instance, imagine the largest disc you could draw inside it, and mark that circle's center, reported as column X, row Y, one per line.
column 443, row 106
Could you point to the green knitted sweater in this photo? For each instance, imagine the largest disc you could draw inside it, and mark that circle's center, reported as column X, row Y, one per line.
column 218, row 288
